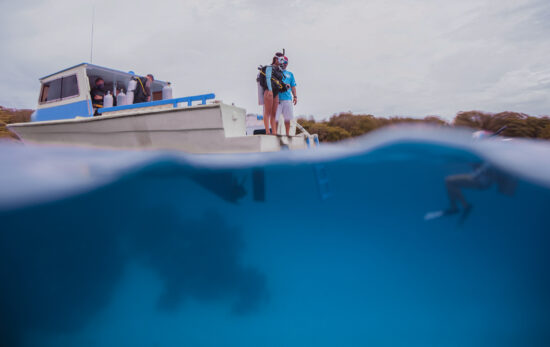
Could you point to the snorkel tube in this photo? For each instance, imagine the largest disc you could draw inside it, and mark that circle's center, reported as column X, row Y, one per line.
column 499, row 131
column 485, row 134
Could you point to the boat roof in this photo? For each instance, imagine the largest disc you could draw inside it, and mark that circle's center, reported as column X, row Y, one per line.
column 98, row 70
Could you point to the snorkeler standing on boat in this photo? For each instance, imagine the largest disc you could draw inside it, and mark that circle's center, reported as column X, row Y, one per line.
column 142, row 93
column 271, row 79
column 98, row 93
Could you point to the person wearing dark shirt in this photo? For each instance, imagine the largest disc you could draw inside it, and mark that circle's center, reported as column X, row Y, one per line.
column 142, row 93
column 98, row 93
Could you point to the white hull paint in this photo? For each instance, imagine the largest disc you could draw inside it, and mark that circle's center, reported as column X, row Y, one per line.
column 213, row 128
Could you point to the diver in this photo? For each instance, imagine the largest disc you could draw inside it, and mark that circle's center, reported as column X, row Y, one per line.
column 144, row 85
column 98, row 93
column 271, row 80
column 483, row 177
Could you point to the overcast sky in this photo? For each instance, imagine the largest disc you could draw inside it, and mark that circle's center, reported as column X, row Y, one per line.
column 384, row 57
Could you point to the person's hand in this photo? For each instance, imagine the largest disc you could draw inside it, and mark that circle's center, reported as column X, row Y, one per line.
column 295, row 100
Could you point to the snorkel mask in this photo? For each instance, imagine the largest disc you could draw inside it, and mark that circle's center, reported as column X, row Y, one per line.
column 284, row 63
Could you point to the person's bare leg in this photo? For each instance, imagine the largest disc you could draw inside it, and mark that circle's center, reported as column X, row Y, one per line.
column 274, row 115
column 454, row 184
column 268, row 107
column 453, row 192
column 287, row 126
column 266, row 119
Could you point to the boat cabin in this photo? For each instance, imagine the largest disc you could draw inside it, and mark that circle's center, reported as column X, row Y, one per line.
column 66, row 94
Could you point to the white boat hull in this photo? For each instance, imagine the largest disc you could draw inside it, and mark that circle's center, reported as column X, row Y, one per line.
column 213, row 128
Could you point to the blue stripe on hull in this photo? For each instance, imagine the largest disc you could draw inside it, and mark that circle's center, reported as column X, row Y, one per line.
column 77, row 109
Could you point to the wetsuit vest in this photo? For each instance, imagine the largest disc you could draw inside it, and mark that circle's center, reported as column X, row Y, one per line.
column 141, row 92
column 277, row 85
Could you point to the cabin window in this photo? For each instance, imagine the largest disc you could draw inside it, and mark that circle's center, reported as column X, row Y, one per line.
column 51, row 90
column 69, row 87
column 58, row 89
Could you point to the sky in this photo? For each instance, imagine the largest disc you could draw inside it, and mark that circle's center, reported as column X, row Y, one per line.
column 382, row 57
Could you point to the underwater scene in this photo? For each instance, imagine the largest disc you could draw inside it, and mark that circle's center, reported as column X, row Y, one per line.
column 405, row 237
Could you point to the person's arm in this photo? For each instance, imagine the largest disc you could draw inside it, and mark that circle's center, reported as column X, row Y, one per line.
column 268, row 77
column 96, row 95
column 148, row 91
column 293, row 85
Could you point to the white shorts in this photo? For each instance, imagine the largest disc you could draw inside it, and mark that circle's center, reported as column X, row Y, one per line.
column 286, row 107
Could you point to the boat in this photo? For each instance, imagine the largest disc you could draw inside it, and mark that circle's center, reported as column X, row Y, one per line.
column 194, row 124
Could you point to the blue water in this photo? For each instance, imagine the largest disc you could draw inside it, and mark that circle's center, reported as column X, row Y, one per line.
column 127, row 248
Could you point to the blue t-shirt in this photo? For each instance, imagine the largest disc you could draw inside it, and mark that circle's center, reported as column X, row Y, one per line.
column 289, row 79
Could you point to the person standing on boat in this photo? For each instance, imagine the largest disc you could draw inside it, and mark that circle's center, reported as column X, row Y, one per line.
column 142, row 93
column 270, row 79
column 287, row 99
column 98, row 93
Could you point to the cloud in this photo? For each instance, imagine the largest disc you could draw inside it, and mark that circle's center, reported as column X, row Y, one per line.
column 386, row 58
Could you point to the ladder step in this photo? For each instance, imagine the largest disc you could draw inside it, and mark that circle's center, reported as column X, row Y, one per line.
column 323, row 181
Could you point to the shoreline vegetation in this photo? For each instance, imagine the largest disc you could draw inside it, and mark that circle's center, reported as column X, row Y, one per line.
column 10, row 115
column 348, row 125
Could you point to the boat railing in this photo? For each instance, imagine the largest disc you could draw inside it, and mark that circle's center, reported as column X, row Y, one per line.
column 188, row 99
column 309, row 138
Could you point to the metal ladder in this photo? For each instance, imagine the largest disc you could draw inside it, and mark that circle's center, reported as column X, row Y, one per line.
column 321, row 175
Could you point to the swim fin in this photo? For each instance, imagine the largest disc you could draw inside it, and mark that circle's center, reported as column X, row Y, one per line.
column 434, row 215
column 441, row 213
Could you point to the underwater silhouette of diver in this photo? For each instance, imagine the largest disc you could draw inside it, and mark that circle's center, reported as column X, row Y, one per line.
column 482, row 178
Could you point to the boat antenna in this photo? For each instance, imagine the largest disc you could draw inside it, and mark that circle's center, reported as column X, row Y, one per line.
column 92, row 40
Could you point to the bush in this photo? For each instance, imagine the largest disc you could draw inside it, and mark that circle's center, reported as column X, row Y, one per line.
column 8, row 116
column 345, row 125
